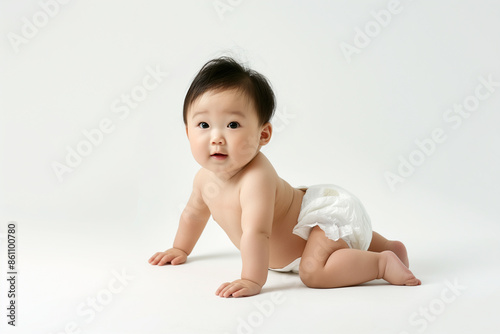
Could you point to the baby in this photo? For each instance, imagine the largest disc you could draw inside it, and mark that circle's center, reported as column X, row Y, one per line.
column 322, row 232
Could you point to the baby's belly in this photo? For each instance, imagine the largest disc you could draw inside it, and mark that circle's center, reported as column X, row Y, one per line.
column 284, row 245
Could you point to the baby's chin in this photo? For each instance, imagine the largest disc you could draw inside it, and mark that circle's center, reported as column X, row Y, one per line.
column 226, row 171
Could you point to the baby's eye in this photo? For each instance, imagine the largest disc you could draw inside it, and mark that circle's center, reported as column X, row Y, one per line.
column 233, row 125
column 203, row 125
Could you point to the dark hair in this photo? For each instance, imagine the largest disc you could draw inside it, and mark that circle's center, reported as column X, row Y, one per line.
column 225, row 73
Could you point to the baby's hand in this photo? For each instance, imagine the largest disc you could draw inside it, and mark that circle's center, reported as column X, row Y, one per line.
column 238, row 288
column 173, row 256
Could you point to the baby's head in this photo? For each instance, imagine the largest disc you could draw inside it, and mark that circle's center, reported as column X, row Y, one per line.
column 225, row 73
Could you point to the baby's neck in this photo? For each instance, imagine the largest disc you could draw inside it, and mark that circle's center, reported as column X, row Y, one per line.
column 227, row 176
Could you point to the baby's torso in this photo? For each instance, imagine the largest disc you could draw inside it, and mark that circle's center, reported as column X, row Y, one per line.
column 224, row 204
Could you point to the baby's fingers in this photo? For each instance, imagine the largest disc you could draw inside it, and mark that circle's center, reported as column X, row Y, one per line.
column 161, row 258
column 241, row 292
column 155, row 258
column 221, row 288
column 177, row 259
column 230, row 289
column 166, row 259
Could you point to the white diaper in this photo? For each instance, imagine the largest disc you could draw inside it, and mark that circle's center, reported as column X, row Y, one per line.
column 337, row 212
column 292, row 267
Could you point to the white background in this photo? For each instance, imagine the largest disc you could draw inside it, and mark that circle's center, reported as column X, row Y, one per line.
column 340, row 119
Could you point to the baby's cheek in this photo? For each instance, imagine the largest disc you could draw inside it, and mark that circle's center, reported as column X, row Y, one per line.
column 248, row 146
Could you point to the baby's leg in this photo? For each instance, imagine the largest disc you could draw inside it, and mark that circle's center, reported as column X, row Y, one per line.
column 329, row 264
column 380, row 244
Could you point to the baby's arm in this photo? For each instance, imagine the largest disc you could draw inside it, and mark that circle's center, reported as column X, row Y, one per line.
column 257, row 198
column 193, row 220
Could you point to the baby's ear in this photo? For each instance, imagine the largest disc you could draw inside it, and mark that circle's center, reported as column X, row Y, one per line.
column 266, row 133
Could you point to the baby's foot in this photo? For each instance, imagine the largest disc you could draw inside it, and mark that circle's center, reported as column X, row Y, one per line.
column 394, row 271
column 400, row 250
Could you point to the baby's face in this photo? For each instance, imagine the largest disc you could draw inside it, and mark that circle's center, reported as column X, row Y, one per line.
column 224, row 131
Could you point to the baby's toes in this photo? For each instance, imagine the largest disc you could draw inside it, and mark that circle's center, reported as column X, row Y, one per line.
column 413, row 281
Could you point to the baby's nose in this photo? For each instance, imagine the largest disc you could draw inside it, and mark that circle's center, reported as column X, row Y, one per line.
column 217, row 139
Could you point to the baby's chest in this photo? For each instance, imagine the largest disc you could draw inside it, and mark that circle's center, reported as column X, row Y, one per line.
column 225, row 209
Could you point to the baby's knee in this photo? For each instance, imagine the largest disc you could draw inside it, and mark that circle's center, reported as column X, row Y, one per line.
column 309, row 272
column 308, row 281
column 396, row 246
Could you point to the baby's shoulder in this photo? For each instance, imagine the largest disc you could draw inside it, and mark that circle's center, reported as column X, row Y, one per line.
column 260, row 172
column 260, row 165
column 201, row 178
